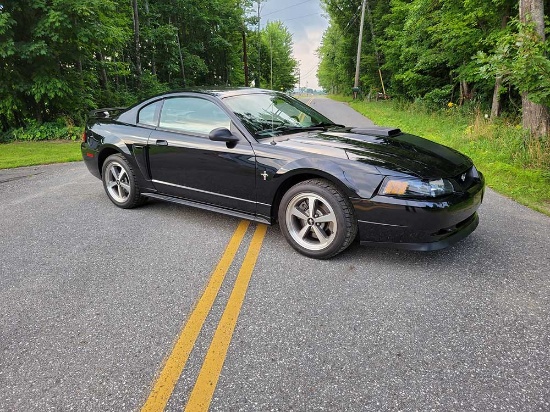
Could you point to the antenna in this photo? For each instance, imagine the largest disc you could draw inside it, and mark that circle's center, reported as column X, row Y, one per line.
column 271, row 63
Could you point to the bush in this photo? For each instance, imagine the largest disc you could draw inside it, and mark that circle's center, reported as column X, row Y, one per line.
column 436, row 99
column 61, row 129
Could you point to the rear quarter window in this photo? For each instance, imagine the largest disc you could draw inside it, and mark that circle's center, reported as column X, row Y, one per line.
column 149, row 114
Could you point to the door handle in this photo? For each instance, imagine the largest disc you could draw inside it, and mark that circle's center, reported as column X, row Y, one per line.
column 161, row 143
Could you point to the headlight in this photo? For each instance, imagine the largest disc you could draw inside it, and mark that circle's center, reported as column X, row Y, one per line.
column 410, row 187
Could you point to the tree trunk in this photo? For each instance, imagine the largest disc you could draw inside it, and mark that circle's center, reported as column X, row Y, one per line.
column 153, row 57
column 465, row 92
column 102, row 73
column 495, row 107
column 181, row 58
column 136, row 39
column 536, row 117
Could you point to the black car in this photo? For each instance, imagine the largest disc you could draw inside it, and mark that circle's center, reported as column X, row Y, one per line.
column 264, row 156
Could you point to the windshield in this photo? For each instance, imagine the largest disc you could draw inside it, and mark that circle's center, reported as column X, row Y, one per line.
column 272, row 114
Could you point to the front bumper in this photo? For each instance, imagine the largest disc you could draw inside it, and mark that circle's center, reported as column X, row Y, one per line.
column 419, row 224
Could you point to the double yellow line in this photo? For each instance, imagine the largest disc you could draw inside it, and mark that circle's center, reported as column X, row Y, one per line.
column 201, row 395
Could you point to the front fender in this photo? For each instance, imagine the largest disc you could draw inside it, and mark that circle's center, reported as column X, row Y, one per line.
column 357, row 180
column 323, row 168
column 276, row 176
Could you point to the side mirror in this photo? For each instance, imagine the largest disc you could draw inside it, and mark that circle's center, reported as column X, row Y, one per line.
column 222, row 134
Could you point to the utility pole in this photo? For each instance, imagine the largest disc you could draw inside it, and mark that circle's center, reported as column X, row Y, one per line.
column 356, row 84
column 245, row 58
column 259, row 47
column 243, row 34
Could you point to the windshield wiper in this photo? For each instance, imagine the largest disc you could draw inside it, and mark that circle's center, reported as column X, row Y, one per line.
column 319, row 126
column 326, row 124
column 298, row 128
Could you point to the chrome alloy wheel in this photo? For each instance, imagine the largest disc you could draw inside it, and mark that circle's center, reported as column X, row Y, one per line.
column 117, row 182
column 311, row 221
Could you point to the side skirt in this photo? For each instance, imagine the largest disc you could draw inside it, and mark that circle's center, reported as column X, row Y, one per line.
column 212, row 208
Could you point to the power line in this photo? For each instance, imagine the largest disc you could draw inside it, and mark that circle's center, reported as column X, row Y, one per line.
column 310, row 70
column 301, row 17
column 289, row 7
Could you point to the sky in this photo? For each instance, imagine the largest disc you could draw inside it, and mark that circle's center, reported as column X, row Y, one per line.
column 305, row 20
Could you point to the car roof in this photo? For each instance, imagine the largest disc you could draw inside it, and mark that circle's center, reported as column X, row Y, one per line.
column 220, row 92
column 130, row 114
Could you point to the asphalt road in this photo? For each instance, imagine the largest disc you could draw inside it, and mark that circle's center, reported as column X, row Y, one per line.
column 92, row 299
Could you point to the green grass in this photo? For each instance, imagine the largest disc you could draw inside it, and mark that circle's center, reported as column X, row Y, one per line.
column 514, row 166
column 19, row 154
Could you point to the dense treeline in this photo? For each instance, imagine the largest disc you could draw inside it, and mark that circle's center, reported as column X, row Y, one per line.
column 60, row 58
column 443, row 52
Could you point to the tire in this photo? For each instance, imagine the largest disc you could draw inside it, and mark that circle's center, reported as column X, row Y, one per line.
column 325, row 233
column 119, row 182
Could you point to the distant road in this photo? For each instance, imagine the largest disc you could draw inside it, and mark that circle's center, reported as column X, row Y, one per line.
column 338, row 112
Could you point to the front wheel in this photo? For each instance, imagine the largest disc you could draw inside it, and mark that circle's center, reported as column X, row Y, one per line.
column 120, row 183
column 317, row 219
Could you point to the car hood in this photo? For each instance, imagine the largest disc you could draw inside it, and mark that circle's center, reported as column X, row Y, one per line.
column 402, row 153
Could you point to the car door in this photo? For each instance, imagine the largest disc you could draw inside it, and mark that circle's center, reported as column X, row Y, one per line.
column 185, row 163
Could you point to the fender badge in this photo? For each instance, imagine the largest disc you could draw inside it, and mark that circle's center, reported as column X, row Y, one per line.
column 264, row 175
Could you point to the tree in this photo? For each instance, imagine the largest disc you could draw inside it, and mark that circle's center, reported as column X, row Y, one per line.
column 53, row 56
column 441, row 51
column 495, row 103
column 135, row 15
column 536, row 117
column 61, row 58
column 278, row 65
column 335, row 71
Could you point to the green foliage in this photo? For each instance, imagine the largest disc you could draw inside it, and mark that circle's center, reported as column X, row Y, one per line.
column 427, row 50
column 335, row 70
column 520, row 58
column 57, row 130
column 276, row 42
column 437, row 99
column 61, row 58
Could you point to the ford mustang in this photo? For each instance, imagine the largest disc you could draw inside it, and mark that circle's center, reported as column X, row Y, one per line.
column 267, row 157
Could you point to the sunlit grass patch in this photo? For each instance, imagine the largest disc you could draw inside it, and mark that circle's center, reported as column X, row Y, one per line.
column 19, row 154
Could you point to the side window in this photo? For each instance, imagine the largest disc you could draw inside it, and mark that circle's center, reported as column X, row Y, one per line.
column 192, row 115
column 147, row 114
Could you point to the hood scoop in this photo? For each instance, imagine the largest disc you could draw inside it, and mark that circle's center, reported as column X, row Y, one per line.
column 377, row 131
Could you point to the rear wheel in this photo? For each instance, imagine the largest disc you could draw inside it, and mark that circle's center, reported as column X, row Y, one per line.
column 120, row 183
column 317, row 219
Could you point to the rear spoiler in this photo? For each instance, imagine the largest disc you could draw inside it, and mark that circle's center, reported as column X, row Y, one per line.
column 106, row 112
